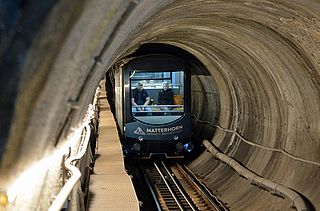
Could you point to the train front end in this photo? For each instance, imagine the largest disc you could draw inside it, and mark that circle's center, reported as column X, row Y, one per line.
column 157, row 107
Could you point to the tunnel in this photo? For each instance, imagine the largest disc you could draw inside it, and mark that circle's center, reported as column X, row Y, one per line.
column 256, row 87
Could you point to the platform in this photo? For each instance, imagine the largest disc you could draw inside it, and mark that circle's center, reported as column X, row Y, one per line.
column 111, row 187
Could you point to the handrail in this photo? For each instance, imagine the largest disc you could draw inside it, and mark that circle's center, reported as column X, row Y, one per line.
column 169, row 111
column 75, row 174
column 156, row 106
column 260, row 181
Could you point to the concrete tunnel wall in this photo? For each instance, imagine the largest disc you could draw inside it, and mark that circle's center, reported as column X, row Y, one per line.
column 263, row 56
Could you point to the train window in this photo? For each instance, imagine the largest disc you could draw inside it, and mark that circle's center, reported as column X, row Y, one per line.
column 157, row 97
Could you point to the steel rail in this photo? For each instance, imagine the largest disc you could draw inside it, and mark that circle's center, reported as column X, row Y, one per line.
column 156, row 201
column 201, row 187
column 177, row 185
column 168, row 186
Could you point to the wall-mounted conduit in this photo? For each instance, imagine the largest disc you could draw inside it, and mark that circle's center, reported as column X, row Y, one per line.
column 257, row 145
column 257, row 180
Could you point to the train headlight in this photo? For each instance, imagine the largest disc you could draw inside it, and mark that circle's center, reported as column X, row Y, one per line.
column 179, row 146
column 140, row 138
column 136, row 147
column 188, row 146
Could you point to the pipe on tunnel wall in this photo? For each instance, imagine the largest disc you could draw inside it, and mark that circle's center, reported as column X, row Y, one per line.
column 265, row 183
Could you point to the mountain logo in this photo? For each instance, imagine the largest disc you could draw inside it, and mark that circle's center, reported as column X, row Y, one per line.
column 139, row 131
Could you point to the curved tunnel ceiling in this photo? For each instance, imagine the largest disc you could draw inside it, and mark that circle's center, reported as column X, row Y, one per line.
column 264, row 59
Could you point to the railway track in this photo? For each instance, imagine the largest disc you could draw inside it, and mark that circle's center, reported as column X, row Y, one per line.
column 173, row 187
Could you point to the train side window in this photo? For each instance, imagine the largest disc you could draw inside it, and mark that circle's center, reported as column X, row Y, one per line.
column 157, row 97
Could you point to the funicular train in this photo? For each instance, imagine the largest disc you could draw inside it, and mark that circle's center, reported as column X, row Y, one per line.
column 152, row 106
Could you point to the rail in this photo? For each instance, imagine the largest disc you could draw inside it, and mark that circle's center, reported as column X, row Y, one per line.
column 176, row 184
column 168, row 186
column 214, row 201
column 153, row 194
column 70, row 162
column 75, row 174
column 157, row 106
column 173, row 188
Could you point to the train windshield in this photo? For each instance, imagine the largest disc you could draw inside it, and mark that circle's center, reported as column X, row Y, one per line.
column 157, row 97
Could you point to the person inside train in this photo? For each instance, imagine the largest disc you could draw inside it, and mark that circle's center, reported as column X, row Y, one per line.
column 140, row 96
column 165, row 97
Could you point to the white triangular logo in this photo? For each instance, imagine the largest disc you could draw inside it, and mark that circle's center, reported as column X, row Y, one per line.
column 139, row 131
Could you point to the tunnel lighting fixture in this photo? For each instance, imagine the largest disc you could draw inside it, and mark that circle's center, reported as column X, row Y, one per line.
column 3, row 200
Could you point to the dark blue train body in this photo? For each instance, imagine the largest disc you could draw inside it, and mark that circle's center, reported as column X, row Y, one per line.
column 149, row 127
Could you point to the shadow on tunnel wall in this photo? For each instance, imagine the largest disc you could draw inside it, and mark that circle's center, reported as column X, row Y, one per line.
column 20, row 21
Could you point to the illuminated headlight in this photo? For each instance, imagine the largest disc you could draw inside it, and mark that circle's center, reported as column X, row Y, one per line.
column 179, row 146
column 136, row 147
column 188, row 146
column 125, row 150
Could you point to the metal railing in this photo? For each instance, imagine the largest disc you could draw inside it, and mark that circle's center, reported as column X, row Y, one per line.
column 158, row 108
column 70, row 163
column 74, row 171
